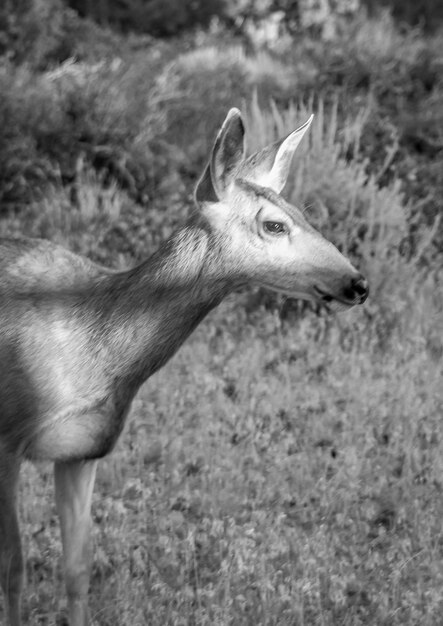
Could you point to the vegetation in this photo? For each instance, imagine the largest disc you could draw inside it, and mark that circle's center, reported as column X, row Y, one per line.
column 285, row 467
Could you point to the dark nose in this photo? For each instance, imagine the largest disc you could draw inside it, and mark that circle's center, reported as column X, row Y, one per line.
column 359, row 289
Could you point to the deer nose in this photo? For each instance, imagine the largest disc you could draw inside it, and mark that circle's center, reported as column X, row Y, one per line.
column 358, row 289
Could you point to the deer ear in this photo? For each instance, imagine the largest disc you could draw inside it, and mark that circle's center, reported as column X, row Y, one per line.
column 226, row 158
column 270, row 167
column 205, row 191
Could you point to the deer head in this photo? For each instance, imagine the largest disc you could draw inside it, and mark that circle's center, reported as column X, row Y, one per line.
column 266, row 240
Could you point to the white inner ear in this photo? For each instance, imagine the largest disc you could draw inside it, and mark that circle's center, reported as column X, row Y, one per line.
column 278, row 175
column 228, row 152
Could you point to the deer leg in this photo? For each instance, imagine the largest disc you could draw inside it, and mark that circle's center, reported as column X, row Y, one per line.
column 74, row 483
column 11, row 560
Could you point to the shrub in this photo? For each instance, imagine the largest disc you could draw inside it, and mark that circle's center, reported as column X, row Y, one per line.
column 161, row 18
column 425, row 13
column 211, row 80
column 77, row 216
column 26, row 109
column 108, row 114
column 41, row 33
column 31, row 29
column 93, row 216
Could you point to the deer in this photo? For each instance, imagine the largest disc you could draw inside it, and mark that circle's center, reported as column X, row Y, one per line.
column 77, row 340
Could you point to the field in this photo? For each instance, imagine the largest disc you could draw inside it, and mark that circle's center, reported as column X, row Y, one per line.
column 270, row 474
column 286, row 466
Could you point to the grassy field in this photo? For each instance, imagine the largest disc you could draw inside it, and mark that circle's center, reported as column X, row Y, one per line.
column 270, row 474
column 286, row 467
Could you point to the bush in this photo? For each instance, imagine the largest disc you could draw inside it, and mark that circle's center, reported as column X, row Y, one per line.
column 211, row 80
column 42, row 33
column 108, row 114
column 160, row 18
column 31, row 29
column 425, row 13
column 397, row 73
column 26, row 109
column 77, row 216
column 94, row 217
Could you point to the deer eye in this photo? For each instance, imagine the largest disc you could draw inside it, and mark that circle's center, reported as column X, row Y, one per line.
column 275, row 228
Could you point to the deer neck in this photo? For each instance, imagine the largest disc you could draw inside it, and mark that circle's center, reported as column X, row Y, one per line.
column 154, row 307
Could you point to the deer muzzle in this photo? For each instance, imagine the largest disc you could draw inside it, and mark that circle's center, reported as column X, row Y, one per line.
column 353, row 290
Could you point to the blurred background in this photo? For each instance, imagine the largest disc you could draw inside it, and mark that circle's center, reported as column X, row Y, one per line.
column 304, row 485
